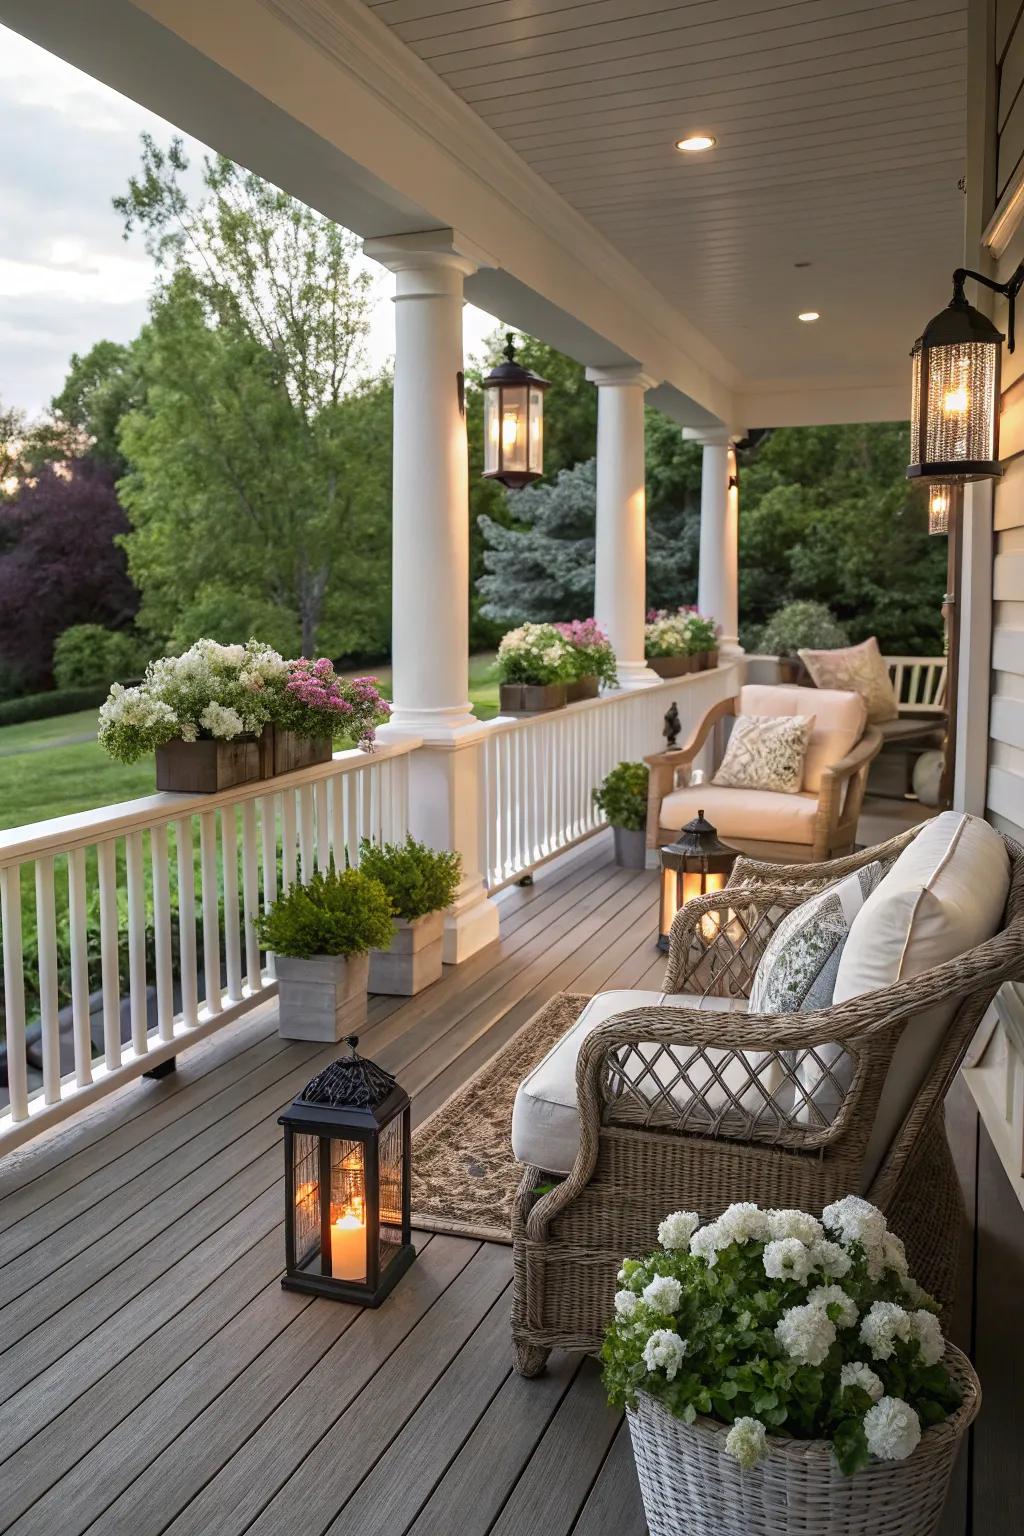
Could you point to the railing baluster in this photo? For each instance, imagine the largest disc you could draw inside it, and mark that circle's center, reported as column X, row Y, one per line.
column 288, row 852
column 106, row 863
column 46, row 950
column 188, row 964
column 162, row 933
column 323, row 842
column 268, row 840
column 337, row 803
column 305, row 833
column 211, row 921
column 232, row 947
column 14, row 990
column 250, row 896
column 136, row 943
column 78, row 925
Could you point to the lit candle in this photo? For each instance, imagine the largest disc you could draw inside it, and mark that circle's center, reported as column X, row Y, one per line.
column 348, row 1246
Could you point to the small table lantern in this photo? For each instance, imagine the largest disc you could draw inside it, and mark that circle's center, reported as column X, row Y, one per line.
column 347, row 1150
column 696, row 863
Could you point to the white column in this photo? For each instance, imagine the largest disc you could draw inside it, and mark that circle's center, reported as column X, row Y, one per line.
column 620, row 575
column 430, row 564
column 718, row 582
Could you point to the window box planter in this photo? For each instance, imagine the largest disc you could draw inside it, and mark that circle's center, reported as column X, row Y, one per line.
column 582, row 688
column 689, row 1483
column 291, row 751
column 530, row 698
column 205, row 767
column 322, row 997
column 707, row 660
column 630, row 847
column 414, row 959
column 672, row 666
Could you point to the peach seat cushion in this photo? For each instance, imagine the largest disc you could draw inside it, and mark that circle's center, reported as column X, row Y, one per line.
column 839, row 720
column 752, row 815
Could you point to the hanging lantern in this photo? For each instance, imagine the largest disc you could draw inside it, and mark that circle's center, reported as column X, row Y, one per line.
column 940, row 505
column 696, row 863
column 513, row 422
column 347, row 1166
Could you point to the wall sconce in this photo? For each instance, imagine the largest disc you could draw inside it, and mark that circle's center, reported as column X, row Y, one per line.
column 513, row 422
column 954, row 403
column 940, row 505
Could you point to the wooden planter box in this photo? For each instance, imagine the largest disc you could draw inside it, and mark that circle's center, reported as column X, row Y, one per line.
column 709, row 659
column 530, row 698
column 321, row 998
column 291, row 751
column 205, row 767
column 672, row 666
column 582, row 688
column 414, row 959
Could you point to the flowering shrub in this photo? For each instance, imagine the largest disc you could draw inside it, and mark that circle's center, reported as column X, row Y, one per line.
column 535, row 653
column 775, row 1322
column 592, row 650
column 219, row 692
column 683, row 633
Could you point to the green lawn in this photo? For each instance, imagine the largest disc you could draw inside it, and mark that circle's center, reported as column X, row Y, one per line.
column 39, row 779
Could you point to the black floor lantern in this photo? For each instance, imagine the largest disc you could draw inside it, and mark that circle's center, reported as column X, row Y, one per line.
column 695, row 864
column 347, row 1152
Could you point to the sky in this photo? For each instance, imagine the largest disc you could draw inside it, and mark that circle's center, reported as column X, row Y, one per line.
column 68, row 144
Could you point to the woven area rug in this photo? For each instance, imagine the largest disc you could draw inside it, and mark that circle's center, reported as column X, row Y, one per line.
column 463, row 1173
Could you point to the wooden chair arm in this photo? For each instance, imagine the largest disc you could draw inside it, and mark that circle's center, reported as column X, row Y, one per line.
column 849, row 774
column 865, row 752
column 663, row 766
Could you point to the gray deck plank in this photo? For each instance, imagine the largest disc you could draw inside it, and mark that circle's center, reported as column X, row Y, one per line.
column 614, row 1503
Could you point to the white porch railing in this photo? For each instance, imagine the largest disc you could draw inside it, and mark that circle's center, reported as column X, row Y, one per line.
column 919, row 683
column 539, row 772
column 181, row 929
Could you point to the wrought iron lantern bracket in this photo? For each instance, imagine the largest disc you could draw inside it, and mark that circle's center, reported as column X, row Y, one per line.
column 1009, row 290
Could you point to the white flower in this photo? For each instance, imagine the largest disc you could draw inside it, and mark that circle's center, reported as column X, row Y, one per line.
column 857, row 1374
column 833, row 1261
column 927, row 1330
column 782, row 1224
column 664, row 1350
column 787, row 1259
column 894, row 1255
column 882, row 1325
column 663, row 1293
column 834, row 1296
column 745, row 1442
column 914, row 1293
column 626, row 1303
column 741, row 1223
column 220, row 722
column 806, row 1334
column 892, row 1429
column 856, row 1221
column 705, row 1243
column 676, row 1230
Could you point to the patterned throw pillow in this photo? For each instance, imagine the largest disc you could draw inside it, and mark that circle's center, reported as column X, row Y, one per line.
column 766, row 752
column 858, row 669
column 798, row 969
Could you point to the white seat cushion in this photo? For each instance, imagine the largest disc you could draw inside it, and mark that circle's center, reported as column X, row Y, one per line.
column 839, row 720
column 752, row 815
column 944, row 895
column 545, row 1122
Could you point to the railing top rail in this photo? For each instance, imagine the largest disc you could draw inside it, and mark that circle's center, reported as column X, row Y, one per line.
column 499, row 724
column 914, row 661
column 84, row 828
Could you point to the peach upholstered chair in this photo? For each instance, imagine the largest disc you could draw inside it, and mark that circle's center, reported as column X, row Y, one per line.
column 818, row 822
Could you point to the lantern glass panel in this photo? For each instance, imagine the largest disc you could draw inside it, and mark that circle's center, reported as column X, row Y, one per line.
column 536, row 431
column 306, row 1176
column 961, row 403
column 492, row 430
column 392, row 1168
column 513, row 428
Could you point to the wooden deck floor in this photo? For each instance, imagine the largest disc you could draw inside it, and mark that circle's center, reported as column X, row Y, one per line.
column 154, row 1377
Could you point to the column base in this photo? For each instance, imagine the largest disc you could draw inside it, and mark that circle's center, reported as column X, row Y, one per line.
column 636, row 674
column 470, row 924
column 440, row 725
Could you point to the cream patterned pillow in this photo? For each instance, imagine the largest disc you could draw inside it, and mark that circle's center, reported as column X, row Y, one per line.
column 766, row 752
column 858, row 669
column 797, row 972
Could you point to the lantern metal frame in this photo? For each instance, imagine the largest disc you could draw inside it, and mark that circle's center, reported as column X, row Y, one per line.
column 511, row 375
column 363, row 1125
column 697, row 850
column 959, row 325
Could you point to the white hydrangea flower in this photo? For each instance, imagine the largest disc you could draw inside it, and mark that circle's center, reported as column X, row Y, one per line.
column 856, row 1221
column 914, row 1293
column 783, row 1224
column 222, row 723
column 833, row 1261
column 806, row 1334
column 858, row 1374
column 626, row 1303
column 742, row 1223
column 787, row 1258
column 705, row 1243
column 881, row 1326
column 677, row 1229
column 664, row 1351
column 663, row 1293
column 745, row 1442
column 834, row 1295
column 927, row 1330
column 892, row 1429
column 894, row 1255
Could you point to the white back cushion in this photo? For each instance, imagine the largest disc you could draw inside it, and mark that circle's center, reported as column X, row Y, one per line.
column 944, row 895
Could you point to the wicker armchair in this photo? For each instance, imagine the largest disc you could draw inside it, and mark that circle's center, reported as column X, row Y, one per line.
column 645, row 1151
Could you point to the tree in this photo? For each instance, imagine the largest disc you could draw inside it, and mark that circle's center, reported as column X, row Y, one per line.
column 248, row 457
column 60, row 565
column 13, row 434
column 101, row 387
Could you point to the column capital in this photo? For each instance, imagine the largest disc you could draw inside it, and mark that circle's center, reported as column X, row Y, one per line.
column 428, row 248
column 627, row 376
column 711, row 437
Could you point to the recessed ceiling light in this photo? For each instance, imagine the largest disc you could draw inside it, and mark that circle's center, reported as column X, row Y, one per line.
column 694, row 143
column 807, row 315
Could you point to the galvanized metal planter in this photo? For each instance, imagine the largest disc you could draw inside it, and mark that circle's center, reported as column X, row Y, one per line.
column 322, row 997
column 414, row 959
column 531, row 698
column 206, row 767
column 630, row 848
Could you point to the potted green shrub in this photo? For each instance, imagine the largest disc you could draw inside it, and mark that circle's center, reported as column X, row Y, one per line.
column 420, row 883
column 775, row 1366
column 622, row 800
column 702, row 641
column 534, row 664
column 800, row 626
column 321, row 933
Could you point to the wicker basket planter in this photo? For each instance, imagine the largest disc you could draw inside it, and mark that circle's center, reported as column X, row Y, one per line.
column 321, row 998
column 291, row 751
column 582, row 688
column 205, row 767
column 530, row 698
column 414, row 959
column 690, row 1485
column 672, row 666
